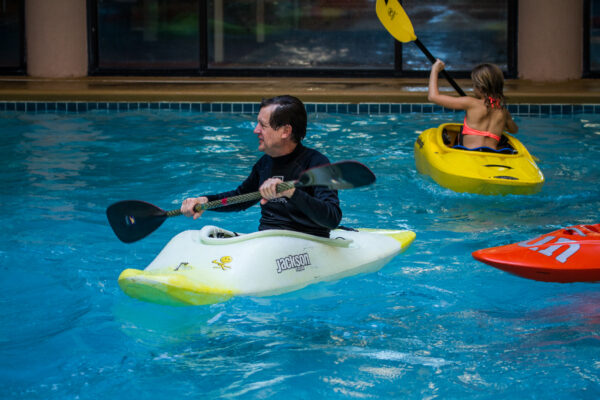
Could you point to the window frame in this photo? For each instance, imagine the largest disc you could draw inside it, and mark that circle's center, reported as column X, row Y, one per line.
column 204, row 70
column 587, row 50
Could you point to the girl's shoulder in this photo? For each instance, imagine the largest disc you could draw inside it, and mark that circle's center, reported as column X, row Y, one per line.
column 475, row 103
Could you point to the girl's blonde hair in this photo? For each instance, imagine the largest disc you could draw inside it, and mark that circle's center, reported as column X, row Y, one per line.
column 488, row 78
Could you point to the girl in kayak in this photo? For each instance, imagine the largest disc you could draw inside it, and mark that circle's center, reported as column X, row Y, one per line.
column 486, row 116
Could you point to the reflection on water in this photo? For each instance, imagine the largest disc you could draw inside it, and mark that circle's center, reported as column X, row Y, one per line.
column 55, row 153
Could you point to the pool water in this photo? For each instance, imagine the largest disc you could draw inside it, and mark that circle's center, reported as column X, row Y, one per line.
column 434, row 323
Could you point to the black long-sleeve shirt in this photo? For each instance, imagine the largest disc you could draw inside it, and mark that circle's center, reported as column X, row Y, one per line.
column 314, row 210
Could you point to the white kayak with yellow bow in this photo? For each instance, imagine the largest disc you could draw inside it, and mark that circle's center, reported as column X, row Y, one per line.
column 212, row 265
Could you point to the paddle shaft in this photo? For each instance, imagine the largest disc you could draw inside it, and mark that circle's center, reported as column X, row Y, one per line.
column 444, row 73
column 281, row 187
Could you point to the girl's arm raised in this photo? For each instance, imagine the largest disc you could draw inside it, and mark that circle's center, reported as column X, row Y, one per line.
column 433, row 94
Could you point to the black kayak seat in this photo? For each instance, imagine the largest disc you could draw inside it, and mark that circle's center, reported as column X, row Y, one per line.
column 505, row 150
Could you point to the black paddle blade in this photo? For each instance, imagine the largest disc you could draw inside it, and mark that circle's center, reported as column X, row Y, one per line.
column 132, row 220
column 340, row 175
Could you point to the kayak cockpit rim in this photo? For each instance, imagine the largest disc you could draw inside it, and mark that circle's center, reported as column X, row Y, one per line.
column 214, row 235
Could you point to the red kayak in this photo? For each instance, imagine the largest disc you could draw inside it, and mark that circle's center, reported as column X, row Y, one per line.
column 567, row 255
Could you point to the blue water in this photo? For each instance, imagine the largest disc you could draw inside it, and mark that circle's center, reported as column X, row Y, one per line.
column 434, row 323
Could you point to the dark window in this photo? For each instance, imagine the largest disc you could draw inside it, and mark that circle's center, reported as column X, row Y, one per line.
column 591, row 46
column 300, row 37
column 12, row 42
column 145, row 35
column 308, row 34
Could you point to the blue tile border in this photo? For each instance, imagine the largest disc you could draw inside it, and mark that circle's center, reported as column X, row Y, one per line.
column 253, row 108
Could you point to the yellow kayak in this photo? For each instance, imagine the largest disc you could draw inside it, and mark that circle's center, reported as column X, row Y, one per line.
column 487, row 173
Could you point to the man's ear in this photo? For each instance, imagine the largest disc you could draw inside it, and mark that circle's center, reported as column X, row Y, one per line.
column 286, row 131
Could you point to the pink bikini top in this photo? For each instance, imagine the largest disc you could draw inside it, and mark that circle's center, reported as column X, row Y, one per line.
column 470, row 131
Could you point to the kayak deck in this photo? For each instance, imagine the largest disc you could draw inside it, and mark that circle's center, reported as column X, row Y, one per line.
column 567, row 255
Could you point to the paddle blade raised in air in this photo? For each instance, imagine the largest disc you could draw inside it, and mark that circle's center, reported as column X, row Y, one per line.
column 394, row 19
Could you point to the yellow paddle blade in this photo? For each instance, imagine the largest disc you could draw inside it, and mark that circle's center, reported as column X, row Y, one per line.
column 394, row 19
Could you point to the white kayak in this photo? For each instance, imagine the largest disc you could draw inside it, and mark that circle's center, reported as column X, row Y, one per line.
column 212, row 265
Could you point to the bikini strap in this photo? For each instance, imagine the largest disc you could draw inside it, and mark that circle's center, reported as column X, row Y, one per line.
column 467, row 130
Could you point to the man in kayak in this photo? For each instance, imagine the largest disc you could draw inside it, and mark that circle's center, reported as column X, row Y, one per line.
column 280, row 129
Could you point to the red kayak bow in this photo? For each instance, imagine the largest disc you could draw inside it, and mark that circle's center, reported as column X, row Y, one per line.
column 567, row 255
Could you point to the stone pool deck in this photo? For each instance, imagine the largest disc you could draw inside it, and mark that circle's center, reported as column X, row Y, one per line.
column 315, row 90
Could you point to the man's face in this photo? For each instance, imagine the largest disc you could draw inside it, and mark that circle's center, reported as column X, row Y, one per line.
column 270, row 141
